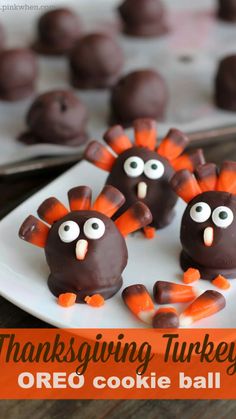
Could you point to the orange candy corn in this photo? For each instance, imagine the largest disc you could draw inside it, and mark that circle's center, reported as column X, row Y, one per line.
column 80, row 198
column 139, row 302
column 116, row 139
column 34, row 231
column 168, row 292
column 221, row 282
column 191, row 275
column 109, row 201
column 67, row 299
column 207, row 178
column 145, row 132
column 136, row 217
column 189, row 161
column 165, row 318
column 99, row 155
column 209, row 303
column 173, row 144
column 95, row 300
column 227, row 177
column 149, row 232
column 185, row 185
column 52, row 210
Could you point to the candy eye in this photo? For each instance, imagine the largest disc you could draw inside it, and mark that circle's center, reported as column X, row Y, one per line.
column 222, row 217
column 68, row 231
column 154, row 169
column 134, row 166
column 200, row 212
column 94, row 228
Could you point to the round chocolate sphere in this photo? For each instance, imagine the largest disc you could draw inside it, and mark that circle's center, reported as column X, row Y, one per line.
column 18, row 72
column 159, row 197
column 56, row 117
column 225, row 84
column 208, row 235
column 227, row 10
column 96, row 62
column 100, row 271
column 139, row 94
column 58, row 30
column 143, row 17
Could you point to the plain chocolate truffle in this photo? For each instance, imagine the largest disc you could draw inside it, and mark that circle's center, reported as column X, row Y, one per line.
column 140, row 94
column 58, row 30
column 143, row 17
column 225, row 84
column 96, row 62
column 227, row 10
column 18, row 72
column 56, row 117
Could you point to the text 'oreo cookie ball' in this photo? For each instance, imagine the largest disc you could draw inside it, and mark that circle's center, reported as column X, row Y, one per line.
column 140, row 94
column 18, row 73
column 225, row 84
column 96, row 62
column 57, row 117
column 227, row 10
column 144, row 18
column 58, row 30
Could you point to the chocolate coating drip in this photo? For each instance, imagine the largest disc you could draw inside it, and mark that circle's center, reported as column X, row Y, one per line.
column 56, row 117
column 140, row 94
column 96, row 62
column 144, row 18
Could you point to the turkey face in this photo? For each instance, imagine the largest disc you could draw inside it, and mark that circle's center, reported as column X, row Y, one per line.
column 142, row 174
column 81, row 257
column 208, row 230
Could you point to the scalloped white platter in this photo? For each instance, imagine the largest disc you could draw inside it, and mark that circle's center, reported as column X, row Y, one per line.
column 24, row 272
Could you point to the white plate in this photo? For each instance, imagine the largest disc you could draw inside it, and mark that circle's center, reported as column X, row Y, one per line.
column 195, row 32
column 23, row 269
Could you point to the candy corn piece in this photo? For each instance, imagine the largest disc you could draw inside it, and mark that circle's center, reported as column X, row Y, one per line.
column 173, row 144
column 221, row 282
column 145, row 133
column 207, row 178
column 116, row 138
column 185, row 185
column 34, row 231
column 168, row 292
column 52, row 210
column 80, row 198
column 95, row 300
column 139, row 302
column 67, row 299
column 109, row 201
column 191, row 275
column 209, row 303
column 227, row 177
column 165, row 318
column 136, row 217
column 99, row 155
column 189, row 161
column 149, row 232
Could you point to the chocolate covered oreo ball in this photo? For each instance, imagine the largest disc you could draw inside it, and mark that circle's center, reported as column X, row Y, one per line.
column 85, row 250
column 57, row 117
column 140, row 94
column 208, row 228
column 143, row 17
column 225, row 84
column 57, row 32
column 227, row 10
column 96, row 62
column 18, row 72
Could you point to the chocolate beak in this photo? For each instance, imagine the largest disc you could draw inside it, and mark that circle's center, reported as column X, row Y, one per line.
column 208, row 236
column 81, row 249
column 142, row 190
